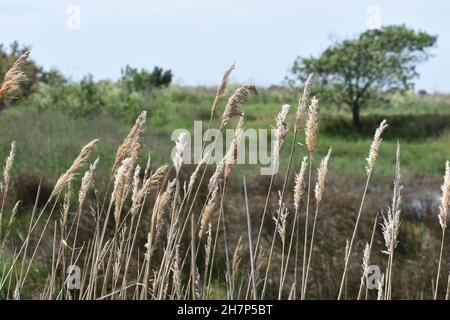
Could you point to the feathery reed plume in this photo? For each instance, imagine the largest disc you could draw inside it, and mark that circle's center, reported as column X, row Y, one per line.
column 131, row 145
column 281, row 130
column 66, row 205
column 222, row 87
column 148, row 165
column 207, row 212
column 153, row 182
column 14, row 77
column 67, row 176
column 176, row 273
column 321, row 175
column 445, row 200
column 365, row 263
column 121, row 187
column 281, row 223
column 376, row 142
column 391, row 221
column 299, row 188
column 194, row 175
column 8, row 168
column 86, row 182
column 312, row 125
column 443, row 217
column 180, row 145
column 135, row 190
column 119, row 253
column 236, row 260
column 232, row 153
column 380, row 284
column 161, row 202
column 208, row 246
column 304, row 100
column 231, row 109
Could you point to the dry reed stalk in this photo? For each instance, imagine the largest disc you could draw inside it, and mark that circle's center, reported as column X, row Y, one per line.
column 319, row 191
column 6, row 180
column 232, row 107
column 365, row 267
column 86, row 182
column 281, row 130
column 207, row 212
column 391, row 225
column 311, row 131
column 14, row 77
column 161, row 202
column 131, row 144
column 373, row 154
column 122, row 185
column 8, row 168
column 280, row 225
column 312, row 125
column 66, row 207
column 443, row 218
column 221, row 87
column 216, row 177
column 232, row 153
column 254, row 269
column 280, row 134
column 236, row 260
column 194, row 175
column 298, row 195
column 299, row 188
column 366, row 261
column 176, row 274
column 301, row 108
column 380, row 284
column 304, row 100
column 153, row 182
column 71, row 172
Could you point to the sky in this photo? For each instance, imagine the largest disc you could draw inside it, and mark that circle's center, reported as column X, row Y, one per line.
column 199, row 39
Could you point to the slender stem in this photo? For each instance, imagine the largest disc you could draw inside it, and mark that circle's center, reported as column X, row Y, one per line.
column 310, row 249
column 305, row 243
column 364, row 277
column 250, row 245
column 439, row 265
column 347, row 258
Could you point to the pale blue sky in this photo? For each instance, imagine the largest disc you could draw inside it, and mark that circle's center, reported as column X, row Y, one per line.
column 198, row 39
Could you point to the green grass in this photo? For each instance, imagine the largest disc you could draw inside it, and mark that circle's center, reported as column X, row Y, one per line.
column 48, row 141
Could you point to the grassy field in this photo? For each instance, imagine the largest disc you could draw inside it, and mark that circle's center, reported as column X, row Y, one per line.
column 48, row 140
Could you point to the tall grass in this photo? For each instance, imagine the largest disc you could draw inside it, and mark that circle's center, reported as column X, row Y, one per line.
column 185, row 229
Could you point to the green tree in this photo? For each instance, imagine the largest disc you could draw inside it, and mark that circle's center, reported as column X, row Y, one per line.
column 143, row 80
column 358, row 70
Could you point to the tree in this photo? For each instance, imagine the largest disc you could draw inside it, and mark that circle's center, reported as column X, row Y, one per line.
column 143, row 80
column 358, row 70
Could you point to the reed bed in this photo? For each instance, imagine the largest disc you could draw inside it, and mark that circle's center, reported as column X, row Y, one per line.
column 185, row 232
